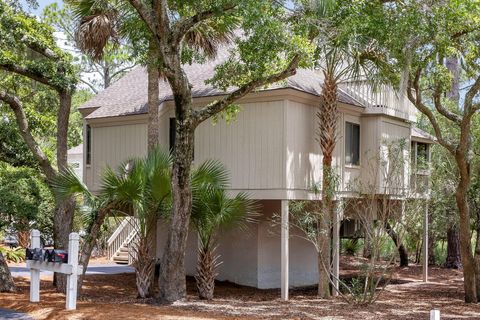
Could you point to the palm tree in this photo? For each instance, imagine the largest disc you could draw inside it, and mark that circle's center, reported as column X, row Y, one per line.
column 339, row 63
column 213, row 209
column 139, row 188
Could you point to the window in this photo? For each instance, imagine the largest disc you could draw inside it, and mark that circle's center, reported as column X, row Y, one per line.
column 352, row 144
column 171, row 134
column 89, row 145
column 420, row 155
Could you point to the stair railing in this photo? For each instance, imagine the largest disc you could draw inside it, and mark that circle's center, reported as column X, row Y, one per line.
column 120, row 236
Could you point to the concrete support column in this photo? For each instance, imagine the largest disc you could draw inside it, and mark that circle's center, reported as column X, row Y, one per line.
column 425, row 243
column 337, row 219
column 35, row 273
column 284, row 254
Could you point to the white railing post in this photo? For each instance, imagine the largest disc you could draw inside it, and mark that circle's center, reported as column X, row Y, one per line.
column 434, row 314
column 35, row 273
column 71, row 301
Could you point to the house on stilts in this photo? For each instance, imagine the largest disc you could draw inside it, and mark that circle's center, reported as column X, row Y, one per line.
column 272, row 153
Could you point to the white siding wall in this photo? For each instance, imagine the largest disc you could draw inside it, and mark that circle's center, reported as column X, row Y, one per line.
column 251, row 147
column 377, row 133
column 111, row 145
column 252, row 257
column 303, row 155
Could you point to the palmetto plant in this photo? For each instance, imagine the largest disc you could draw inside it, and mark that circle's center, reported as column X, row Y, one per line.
column 213, row 209
column 141, row 187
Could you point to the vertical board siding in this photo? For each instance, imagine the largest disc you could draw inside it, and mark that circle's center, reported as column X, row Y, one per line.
column 114, row 144
column 250, row 146
column 303, row 155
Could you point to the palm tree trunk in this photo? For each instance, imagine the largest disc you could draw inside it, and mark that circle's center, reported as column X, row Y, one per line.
column 206, row 271
column 6, row 280
column 327, row 122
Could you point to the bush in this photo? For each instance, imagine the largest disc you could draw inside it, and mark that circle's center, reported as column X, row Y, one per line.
column 13, row 255
column 26, row 202
column 351, row 246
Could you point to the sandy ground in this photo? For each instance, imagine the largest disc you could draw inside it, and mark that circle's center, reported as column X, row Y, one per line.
column 114, row 297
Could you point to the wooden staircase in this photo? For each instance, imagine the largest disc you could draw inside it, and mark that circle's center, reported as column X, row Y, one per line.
column 120, row 241
column 121, row 256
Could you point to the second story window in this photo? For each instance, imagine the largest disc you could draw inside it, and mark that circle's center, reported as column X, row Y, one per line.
column 420, row 155
column 88, row 146
column 352, row 144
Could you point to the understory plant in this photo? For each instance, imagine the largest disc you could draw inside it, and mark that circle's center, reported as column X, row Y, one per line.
column 213, row 209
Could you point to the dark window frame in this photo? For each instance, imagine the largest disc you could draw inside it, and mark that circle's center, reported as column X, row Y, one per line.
column 352, row 151
column 88, row 147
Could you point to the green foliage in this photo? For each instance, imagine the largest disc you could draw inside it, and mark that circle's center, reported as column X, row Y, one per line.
column 351, row 246
column 25, row 200
column 13, row 255
column 20, row 34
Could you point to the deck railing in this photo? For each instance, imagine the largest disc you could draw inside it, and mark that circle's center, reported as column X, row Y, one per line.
column 383, row 99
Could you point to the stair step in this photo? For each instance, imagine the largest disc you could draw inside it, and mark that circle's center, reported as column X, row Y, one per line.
column 122, row 254
column 120, row 260
column 124, row 249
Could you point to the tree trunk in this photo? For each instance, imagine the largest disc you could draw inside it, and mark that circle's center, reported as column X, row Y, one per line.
column 206, row 271
column 6, row 280
column 453, row 259
column 327, row 131
column 153, row 133
column 172, row 281
column 65, row 209
column 469, row 266
column 402, row 250
column 88, row 245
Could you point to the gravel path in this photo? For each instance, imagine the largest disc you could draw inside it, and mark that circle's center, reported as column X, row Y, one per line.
column 14, row 315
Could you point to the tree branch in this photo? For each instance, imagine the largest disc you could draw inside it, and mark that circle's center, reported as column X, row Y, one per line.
column 185, row 24
column 16, row 106
column 29, row 74
column 144, row 15
column 46, row 52
column 89, row 85
column 437, row 101
column 468, row 106
column 217, row 106
column 418, row 102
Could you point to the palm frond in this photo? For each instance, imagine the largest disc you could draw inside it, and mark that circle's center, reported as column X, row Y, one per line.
column 211, row 174
column 67, row 184
column 97, row 25
column 208, row 37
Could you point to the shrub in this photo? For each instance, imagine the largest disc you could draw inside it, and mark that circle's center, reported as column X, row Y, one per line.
column 13, row 255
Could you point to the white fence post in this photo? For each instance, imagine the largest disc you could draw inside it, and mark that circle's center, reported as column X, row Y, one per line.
column 35, row 273
column 73, row 243
column 434, row 314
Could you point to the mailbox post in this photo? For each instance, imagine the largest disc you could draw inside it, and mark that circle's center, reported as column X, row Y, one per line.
column 71, row 269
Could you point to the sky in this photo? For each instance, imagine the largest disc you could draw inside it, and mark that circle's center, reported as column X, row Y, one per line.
column 43, row 3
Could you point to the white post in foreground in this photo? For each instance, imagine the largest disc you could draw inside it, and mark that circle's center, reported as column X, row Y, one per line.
column 284, row 254
column 71, row 301
column 425, row 243
column 434, row 314
column 71, row 269
column 337, row 218
column 35, row 273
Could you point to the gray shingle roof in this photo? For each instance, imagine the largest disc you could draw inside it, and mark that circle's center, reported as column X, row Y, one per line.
column 419, row 133
column 128, row 96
